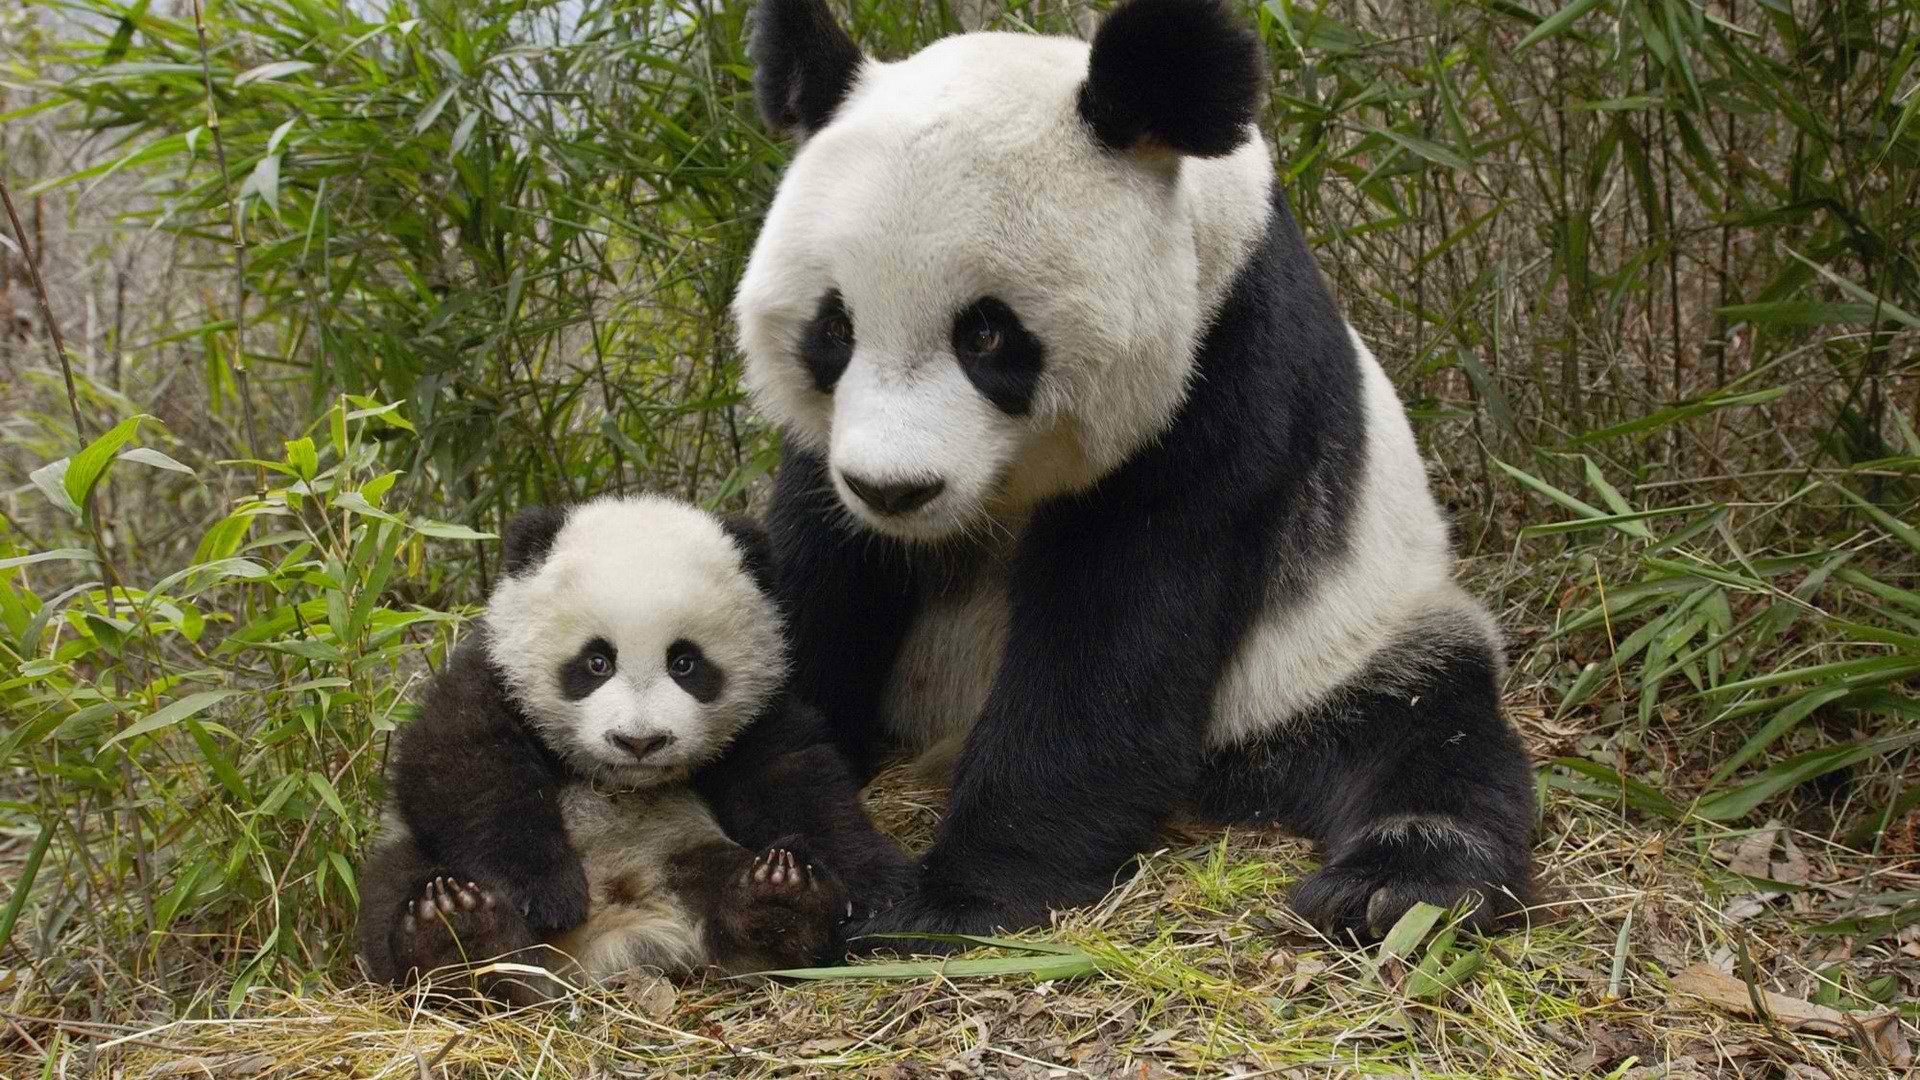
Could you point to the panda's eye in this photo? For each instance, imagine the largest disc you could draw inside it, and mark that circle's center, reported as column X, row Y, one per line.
column 696, row 674
column 599, row 665
column 827, row 346
column 999, row 355
column 984, row 341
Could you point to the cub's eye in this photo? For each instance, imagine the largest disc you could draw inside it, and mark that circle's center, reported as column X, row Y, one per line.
column 839, row 330
column 984, row 340
column 694, row 672
column 599, row 665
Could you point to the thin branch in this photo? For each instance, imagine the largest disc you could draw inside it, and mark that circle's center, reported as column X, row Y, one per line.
column 29, row 256
column 237, row 360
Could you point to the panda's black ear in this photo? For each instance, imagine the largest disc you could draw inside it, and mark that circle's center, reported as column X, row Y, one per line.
column 803, row 64
column 1179, row 75
column 756, row 548
column 529, row 537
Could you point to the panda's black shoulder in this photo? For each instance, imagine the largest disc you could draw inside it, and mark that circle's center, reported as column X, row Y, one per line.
column 467, row 709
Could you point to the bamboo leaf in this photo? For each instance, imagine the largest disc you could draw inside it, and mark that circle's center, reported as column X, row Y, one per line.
column 1555, row 23
column 279, row 69
column 91, row 464
column 191, row 705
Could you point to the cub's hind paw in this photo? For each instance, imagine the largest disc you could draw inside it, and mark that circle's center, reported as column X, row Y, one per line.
column 780, row 875
column 447, row 895
column 451, row 922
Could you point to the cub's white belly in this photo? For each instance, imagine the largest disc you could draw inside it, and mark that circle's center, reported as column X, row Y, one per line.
column 627, row 842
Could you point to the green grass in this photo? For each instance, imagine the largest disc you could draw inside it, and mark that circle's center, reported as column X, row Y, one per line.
column 1644, row 270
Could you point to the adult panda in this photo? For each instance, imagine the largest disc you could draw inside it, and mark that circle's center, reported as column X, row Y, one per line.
column 1089, row 485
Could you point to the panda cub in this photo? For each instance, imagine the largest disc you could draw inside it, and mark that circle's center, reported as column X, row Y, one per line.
column 546, row 795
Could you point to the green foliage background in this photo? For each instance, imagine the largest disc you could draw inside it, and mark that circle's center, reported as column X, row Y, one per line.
column 381, row 272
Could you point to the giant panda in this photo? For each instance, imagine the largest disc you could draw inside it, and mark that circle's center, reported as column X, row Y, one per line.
column 609, row 774
column 1090, row 489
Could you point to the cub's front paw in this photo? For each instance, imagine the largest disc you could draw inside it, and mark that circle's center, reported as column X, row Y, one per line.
column 1365, row 891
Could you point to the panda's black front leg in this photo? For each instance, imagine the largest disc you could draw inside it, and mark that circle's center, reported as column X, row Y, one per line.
column 1092, row 731
column 847, row 593
column 1418, row 793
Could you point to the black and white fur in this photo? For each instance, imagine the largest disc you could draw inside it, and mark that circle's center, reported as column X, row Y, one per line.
column 1091, row 490
column 581, row 778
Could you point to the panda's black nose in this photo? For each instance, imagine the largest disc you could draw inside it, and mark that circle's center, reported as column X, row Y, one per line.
column 641, row 749
column 894, row 496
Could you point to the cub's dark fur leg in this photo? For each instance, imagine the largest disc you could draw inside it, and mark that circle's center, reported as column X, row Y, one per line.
column 482, row 795
column 776, row 909
column 783, row 776
column 1421, row 792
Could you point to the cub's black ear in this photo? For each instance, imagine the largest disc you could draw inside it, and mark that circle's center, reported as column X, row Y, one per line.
column 1179, row 75
column 529, row 536
column 756, row 548
column 803, row 64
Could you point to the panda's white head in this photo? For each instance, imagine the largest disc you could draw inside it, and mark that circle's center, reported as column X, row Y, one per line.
column 986, row 270
column 637, row 634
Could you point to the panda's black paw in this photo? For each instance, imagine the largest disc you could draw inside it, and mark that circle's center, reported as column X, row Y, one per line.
column 786, row 912
column 776, row 874
column 452, row 926
column 452, row 922
column 787, row 873
column 1364, row 892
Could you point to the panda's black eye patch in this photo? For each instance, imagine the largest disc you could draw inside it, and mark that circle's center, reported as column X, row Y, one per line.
column 827, row 346
column 587, row 669
column 998, row 355
column 696, row 674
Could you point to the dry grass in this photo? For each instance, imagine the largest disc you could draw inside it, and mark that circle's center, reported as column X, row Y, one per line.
column 1203, row 972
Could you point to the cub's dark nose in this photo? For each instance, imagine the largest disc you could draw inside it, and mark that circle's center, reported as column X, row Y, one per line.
column 641, row 748
column 894, row 496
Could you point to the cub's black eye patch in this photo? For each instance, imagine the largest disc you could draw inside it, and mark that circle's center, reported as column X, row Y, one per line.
column 696, row 674
column 827, row 347
column 587, row 669
column 998, row 355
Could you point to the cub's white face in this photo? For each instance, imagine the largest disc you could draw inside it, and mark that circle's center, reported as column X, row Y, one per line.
column 640, row 645
column 966, row 303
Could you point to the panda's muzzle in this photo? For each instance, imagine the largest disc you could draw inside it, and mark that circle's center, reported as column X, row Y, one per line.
column 641, row 749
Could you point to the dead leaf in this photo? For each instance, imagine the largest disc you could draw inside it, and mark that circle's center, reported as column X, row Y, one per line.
column 1718, row 988
column 1793, row 868
column 816, row 1047
column 653, row 996
column 1754, row 857
column 1304, row 973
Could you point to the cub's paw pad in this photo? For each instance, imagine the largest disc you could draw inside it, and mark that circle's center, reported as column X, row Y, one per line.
column 449, row 921
column 780, row 875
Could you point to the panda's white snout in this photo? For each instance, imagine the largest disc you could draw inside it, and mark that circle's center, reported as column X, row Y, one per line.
column 893, row 497
column 642, row 747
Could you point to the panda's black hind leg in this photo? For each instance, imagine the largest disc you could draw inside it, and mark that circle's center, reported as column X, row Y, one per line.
column 453, row 924
column 1415, row 790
